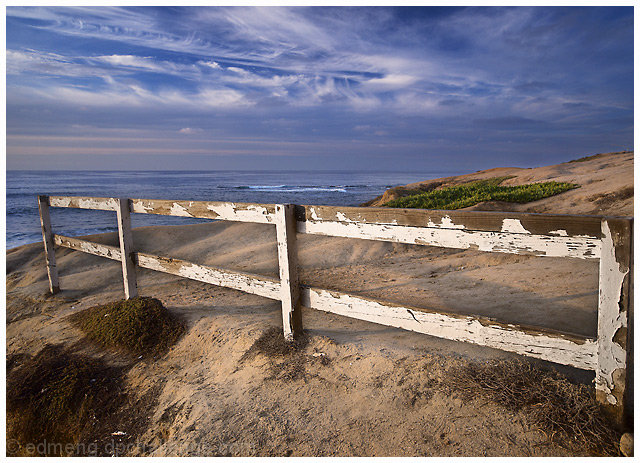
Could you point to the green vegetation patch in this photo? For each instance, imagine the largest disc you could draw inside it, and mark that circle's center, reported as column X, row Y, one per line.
column 141, row 325
column 472, row 193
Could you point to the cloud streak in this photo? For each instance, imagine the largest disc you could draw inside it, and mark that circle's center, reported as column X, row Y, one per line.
column 319, row 72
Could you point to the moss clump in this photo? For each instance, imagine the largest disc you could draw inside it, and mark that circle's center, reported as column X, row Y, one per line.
column 470, row 194
column 58, row 399
column 141, row 325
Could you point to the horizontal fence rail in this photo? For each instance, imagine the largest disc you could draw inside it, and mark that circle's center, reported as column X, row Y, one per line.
column 608, row 239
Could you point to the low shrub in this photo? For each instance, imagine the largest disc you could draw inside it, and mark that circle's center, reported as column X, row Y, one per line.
column 472, row 193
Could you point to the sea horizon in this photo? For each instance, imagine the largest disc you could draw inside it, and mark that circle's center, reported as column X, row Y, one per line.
column 328, row 187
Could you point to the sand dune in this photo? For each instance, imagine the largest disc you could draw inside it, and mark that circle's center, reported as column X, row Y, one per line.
column 606, row 182
column 373, row 397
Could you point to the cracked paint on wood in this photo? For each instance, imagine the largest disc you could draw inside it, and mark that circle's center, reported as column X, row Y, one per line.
column 97, row 249
column 513, row 226
column 531, row 223
column 238, row 212
column 612, row 314
column 103, row 204
column 512, row 243
column 571, row 350
column 253, row 284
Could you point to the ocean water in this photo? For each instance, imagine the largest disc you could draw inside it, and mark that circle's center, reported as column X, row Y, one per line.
column 319, row 188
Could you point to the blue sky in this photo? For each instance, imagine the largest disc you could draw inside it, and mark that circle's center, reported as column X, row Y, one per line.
column 425, row 88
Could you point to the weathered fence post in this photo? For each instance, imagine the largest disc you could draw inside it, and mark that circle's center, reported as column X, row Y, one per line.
column 614, row 311
column 47, row 238
column 288, row 266
column 126, row 248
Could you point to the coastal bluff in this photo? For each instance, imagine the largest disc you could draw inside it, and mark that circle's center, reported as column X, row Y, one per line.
column 606, row 186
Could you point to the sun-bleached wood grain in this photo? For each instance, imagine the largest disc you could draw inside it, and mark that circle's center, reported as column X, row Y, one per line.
column 237, row 212
column 126, row 248
column 288, row 269
column 565, row 349
column 249, row 283
column 47, row 239
column 81, row 202
column 506, row 241
column 97, row 249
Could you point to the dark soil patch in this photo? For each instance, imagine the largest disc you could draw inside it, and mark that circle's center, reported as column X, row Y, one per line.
column 287, row 359
column 141, row 325
column 273, row 344
column 609, row 199
column 62, row 403
column 566, row 412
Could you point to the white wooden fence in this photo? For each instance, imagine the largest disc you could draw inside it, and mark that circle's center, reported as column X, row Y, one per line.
column 608, row 239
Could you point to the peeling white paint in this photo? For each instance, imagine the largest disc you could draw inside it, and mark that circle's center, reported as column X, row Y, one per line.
column 513, row 243
column 561, row 233
column 513, row 226
column 287, row 266
column 314, row 214
column 97, row 249
column 252, row 284
column 105, row 204
column 445, row 222
column 342, row 218
column 611, row 356
column 233, row 212
column 179, row 210
column 204, row 209
column 556, row 349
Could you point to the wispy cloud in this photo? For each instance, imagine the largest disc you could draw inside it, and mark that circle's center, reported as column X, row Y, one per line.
column 323, row 70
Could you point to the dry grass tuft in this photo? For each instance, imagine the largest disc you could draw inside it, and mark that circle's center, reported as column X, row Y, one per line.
column 566, row 412
column 64, row 403
column 57, row 397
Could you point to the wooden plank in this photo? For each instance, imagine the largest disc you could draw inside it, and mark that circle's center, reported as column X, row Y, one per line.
column 47, row 239
column 240, row 212
column 249, row 283
column 288, row 269
column 83, row 202
column 614, row 329
column 126, row 249
column 97, row 249
column 512, row 243
column 560, row 348
column 516, row 222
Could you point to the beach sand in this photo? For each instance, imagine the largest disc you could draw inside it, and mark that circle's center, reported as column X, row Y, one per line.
column 373, row 395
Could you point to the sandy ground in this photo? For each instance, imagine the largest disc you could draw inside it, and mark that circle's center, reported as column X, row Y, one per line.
column 374, row 396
